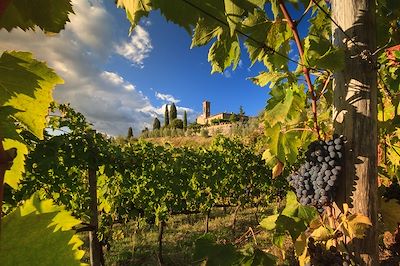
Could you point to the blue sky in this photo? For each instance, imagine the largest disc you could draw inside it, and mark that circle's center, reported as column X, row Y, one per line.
column 119, row 81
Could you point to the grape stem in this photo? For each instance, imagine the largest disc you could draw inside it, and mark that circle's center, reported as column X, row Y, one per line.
column 306, row 71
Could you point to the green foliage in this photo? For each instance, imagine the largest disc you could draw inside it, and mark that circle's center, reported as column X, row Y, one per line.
column 166, row 116
column 130, row 133
column 177, row 123
column 49, row 16
column 185, row 122
column 293, row 219
column 156, row 124
column 26, row 92
column 172, row 112
column 24, row 80
column 319, row 53
column 208, row 252
column 204, row 133
column 47, row 238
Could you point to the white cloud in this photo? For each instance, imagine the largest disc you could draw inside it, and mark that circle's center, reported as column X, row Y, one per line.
column 167, row 97
column 78, row 54
column 138, row 48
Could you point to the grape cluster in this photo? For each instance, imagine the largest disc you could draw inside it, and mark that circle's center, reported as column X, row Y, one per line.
column 315, row 180
column 320, row 256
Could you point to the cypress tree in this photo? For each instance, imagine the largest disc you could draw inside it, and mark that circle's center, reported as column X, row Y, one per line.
column 172, row 112
column 184, row 121
column 156, row 124
column 166, row 116
column 130, row 132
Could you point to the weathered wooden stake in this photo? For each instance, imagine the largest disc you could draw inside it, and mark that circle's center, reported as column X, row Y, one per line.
column 355, row 115
column 161, row 226
column 95, row 252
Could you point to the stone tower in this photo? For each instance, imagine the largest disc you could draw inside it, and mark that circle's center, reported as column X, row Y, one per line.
column 206, row 109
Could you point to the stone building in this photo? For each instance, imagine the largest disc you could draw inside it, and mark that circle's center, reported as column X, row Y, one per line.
column 206, row 117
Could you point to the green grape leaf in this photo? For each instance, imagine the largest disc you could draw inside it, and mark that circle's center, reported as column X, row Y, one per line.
column 8, row 129
column 42, row 237
column 26, row 85
column 48, row 15
column 256, row 25
column 275, row 8
column 278, row 239
column 295, row 226
column 319, row 53
column 289, row 109
column 211, row 254
column 284, row 146
column 205, row 31
column 224, row 53
column 390, row 213
column 233, row 14
column 135, row 9
column 294, row 209
column 268, row 77
column 256, row 257
column 184, row 14
column 278, row 34
column 14, row 175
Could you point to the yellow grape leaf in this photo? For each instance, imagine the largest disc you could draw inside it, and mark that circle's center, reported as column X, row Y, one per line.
column 390, row 211
column 269, row 158
column 300, row 246
column 355, row 225
column 269, row 223
column 13, row 176
column 322, row 233
column 393, row 154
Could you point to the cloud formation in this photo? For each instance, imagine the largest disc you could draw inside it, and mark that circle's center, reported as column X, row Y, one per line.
column 79, row 53
column 167, row 98
column 138, row 48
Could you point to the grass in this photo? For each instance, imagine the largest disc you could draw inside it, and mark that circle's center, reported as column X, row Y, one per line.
column 138, row 246
column 190, row 141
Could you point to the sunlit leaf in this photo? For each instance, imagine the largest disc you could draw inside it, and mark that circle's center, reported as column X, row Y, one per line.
column 48, row 15
column 14, row 175
column 269, row 223
column 43, row 237
column 26, row 85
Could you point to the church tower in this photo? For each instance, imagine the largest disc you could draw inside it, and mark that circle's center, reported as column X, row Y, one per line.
column 206, row 109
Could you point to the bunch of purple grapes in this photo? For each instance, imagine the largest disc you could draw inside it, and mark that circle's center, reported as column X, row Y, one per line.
column 320, row 256
column 316, row 179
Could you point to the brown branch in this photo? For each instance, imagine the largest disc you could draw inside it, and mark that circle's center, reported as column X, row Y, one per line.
column 306, row 71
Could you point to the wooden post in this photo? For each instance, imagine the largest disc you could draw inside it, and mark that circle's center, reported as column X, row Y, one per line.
column 160, row 237
column 95, row 252
column 355, row 115
column 234, row 218
column 206, row 221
